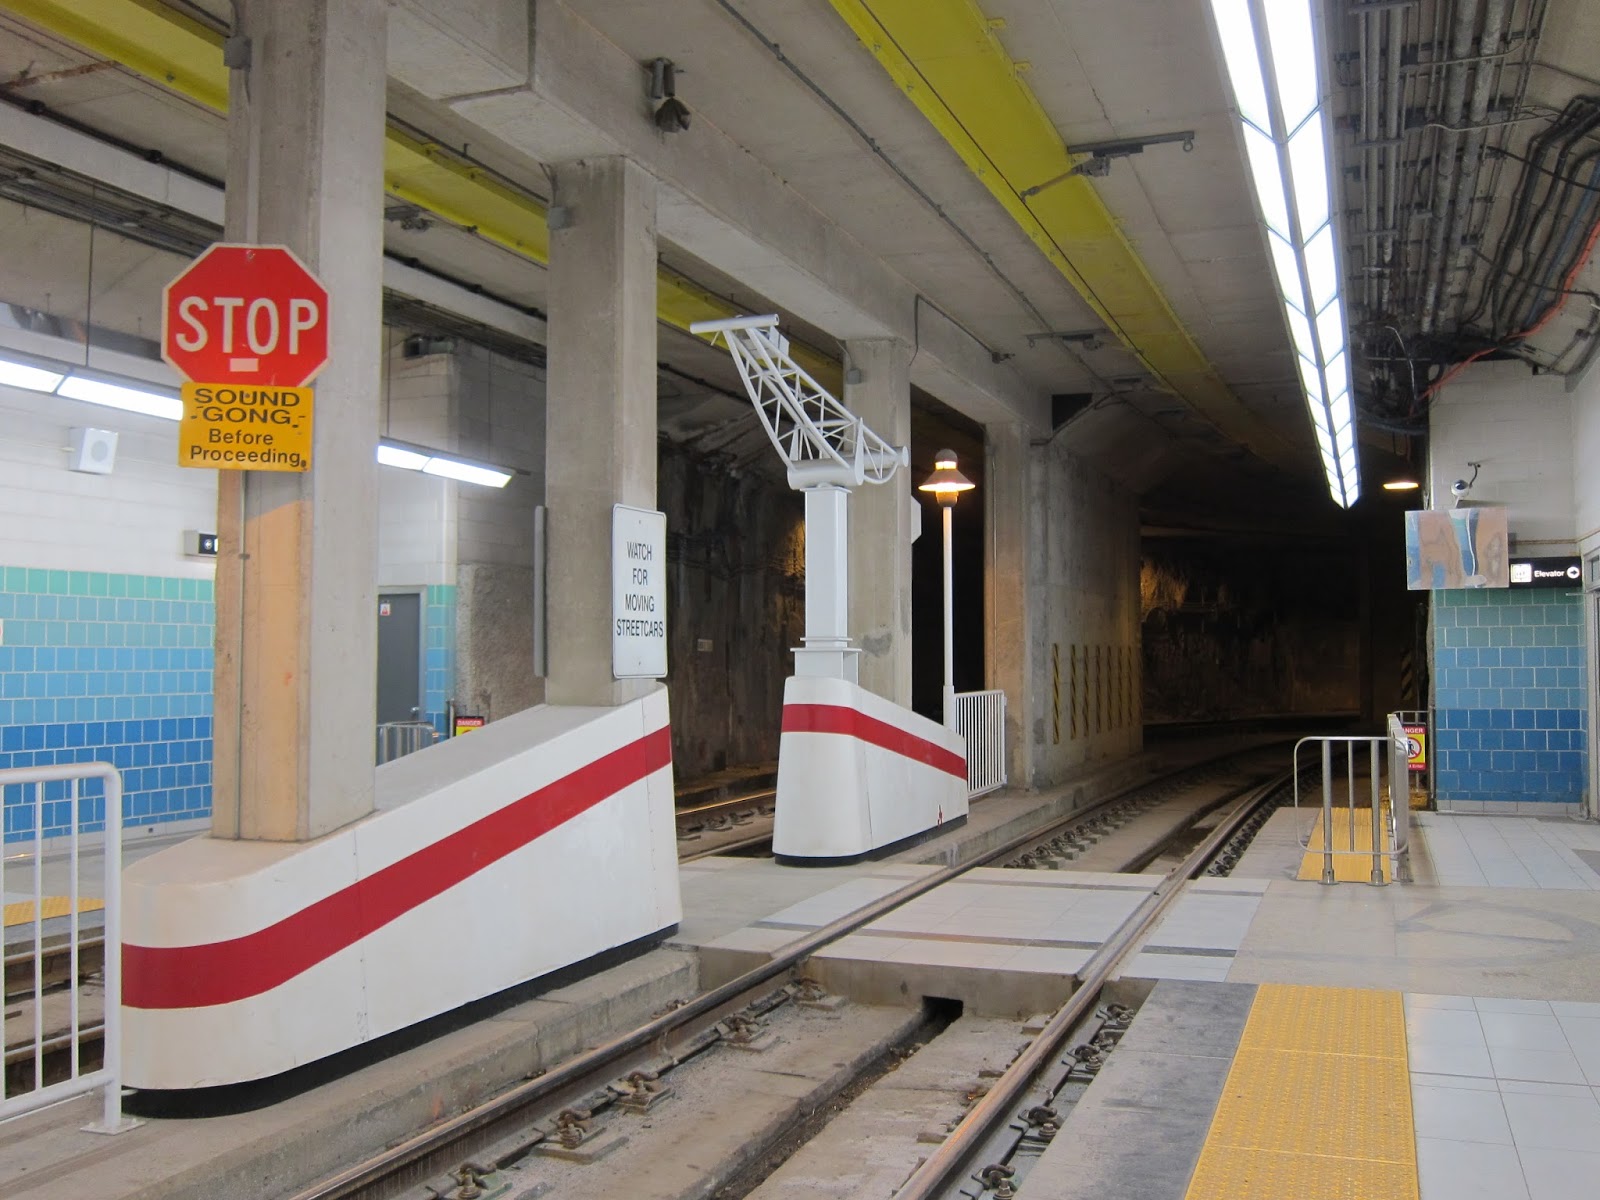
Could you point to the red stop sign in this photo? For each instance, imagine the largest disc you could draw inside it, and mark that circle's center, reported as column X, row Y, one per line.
column 246, row 314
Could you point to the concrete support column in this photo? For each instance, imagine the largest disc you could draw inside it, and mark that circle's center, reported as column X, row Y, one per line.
column 600, row 423
column 880, row 523
column 296, row 601
column 1009, row 603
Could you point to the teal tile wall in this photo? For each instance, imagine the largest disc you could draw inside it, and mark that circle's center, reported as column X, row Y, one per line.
column 439, row 651
column 1510, row 695
column 113, row 668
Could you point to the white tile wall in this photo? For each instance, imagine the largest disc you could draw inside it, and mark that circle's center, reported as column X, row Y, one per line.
column 130, row 521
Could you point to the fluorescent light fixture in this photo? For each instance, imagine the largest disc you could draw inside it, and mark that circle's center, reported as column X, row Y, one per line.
column 28, row 377
column 1401, row 485
column 74, row 383
column 451, row 468
column 1271, row 54
column 399, row 456
column 118, row 395
column 447, row 466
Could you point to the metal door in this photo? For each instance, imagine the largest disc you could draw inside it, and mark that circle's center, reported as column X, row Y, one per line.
column 399, row 657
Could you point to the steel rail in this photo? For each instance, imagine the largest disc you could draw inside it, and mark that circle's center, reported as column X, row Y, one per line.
column 576, row 1070
column 939, row 1173
column 732, row 804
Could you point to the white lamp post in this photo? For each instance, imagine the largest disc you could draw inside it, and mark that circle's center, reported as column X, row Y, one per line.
column 946, row 483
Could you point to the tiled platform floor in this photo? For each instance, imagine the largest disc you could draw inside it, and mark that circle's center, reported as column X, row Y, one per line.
column 1510, row 852
column 1506, row 1097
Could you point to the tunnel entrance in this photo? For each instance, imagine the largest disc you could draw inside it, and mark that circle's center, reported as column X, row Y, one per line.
column 934, row 427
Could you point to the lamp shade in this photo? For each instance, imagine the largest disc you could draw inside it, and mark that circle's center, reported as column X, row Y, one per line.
column 946, row 482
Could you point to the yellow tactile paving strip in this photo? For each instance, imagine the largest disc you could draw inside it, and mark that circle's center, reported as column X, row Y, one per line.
column 1318, row 1103
column 1347, row 868
column 21, row 912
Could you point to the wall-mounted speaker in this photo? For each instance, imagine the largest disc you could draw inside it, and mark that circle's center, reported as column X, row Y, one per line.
column 93, row 451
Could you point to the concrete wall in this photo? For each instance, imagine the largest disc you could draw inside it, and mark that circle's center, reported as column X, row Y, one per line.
column 1585, row 397
column 1512, row 703
column 1085, row 575
column 735, row 608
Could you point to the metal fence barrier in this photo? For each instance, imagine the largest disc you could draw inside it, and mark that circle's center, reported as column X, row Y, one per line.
column 57, row 793
column 396, row 739
column 980, row 717
column 1363, row 759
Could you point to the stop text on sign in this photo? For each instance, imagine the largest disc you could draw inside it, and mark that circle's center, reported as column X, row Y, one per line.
column 229, row 428
column 245, row 338
column 246, row 315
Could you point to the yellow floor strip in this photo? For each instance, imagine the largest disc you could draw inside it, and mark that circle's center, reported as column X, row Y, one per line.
column 21, row 912
column 1347, row 868
column 1318, row 1103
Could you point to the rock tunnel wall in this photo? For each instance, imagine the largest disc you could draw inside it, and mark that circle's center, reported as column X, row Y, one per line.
column 1234, row 632
column 735, row 607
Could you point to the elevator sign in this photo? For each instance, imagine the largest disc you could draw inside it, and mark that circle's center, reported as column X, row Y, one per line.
column 638, row 593
column 246, row 315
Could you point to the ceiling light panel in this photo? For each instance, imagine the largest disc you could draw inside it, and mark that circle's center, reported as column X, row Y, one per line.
column 28, row 377
column 1270, row 51
column 116, row 395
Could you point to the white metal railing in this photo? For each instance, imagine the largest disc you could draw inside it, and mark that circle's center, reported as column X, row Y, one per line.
column 396, row 739
column 40, row 791
column 1370, row 756
column 980, row 717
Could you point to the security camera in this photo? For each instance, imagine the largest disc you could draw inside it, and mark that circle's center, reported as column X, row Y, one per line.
column 1460, row 487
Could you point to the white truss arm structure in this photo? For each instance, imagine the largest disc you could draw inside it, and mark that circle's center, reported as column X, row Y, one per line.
column 829, row 451
column 821, row 441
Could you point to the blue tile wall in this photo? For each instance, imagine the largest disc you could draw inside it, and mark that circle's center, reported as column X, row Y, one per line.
column 1510, row 695
column 110, row 668
column 439, row 650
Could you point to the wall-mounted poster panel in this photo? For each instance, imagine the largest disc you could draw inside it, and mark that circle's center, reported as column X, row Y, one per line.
column 1457, row 548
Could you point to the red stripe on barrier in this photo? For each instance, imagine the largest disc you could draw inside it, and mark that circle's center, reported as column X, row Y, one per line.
column 223, row 972
column 835, row 718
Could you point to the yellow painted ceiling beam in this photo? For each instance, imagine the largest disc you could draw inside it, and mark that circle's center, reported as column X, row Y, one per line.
column 945, row 56
column 170, row 49
column 145, row 36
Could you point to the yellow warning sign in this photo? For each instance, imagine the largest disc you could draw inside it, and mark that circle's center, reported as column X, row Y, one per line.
column 1416, row 747
column 240, row 427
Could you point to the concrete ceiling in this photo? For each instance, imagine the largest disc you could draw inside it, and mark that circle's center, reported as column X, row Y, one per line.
column 789, row 83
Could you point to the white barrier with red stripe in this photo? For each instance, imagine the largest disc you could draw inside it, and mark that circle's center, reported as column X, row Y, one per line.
column 538, row 842
column 858, row 773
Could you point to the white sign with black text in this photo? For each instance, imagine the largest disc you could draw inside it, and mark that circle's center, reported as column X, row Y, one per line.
column 638, row 593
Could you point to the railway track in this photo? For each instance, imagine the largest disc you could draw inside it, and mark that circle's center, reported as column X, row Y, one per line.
column 467, row 1154
column 726, row 826
column 987, row 1153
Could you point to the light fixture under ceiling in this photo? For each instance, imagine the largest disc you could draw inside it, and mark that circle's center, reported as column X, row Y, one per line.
column 74, row 383
column 448, row 466
column 1401, row 485
column 1270, row 48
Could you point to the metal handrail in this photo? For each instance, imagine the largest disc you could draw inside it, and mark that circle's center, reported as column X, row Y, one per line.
column 396, row 739
column 1398, row 828
column 108, row 1079
column 980, row 717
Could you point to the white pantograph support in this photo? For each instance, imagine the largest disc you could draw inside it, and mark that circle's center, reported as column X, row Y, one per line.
column 828, row 451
